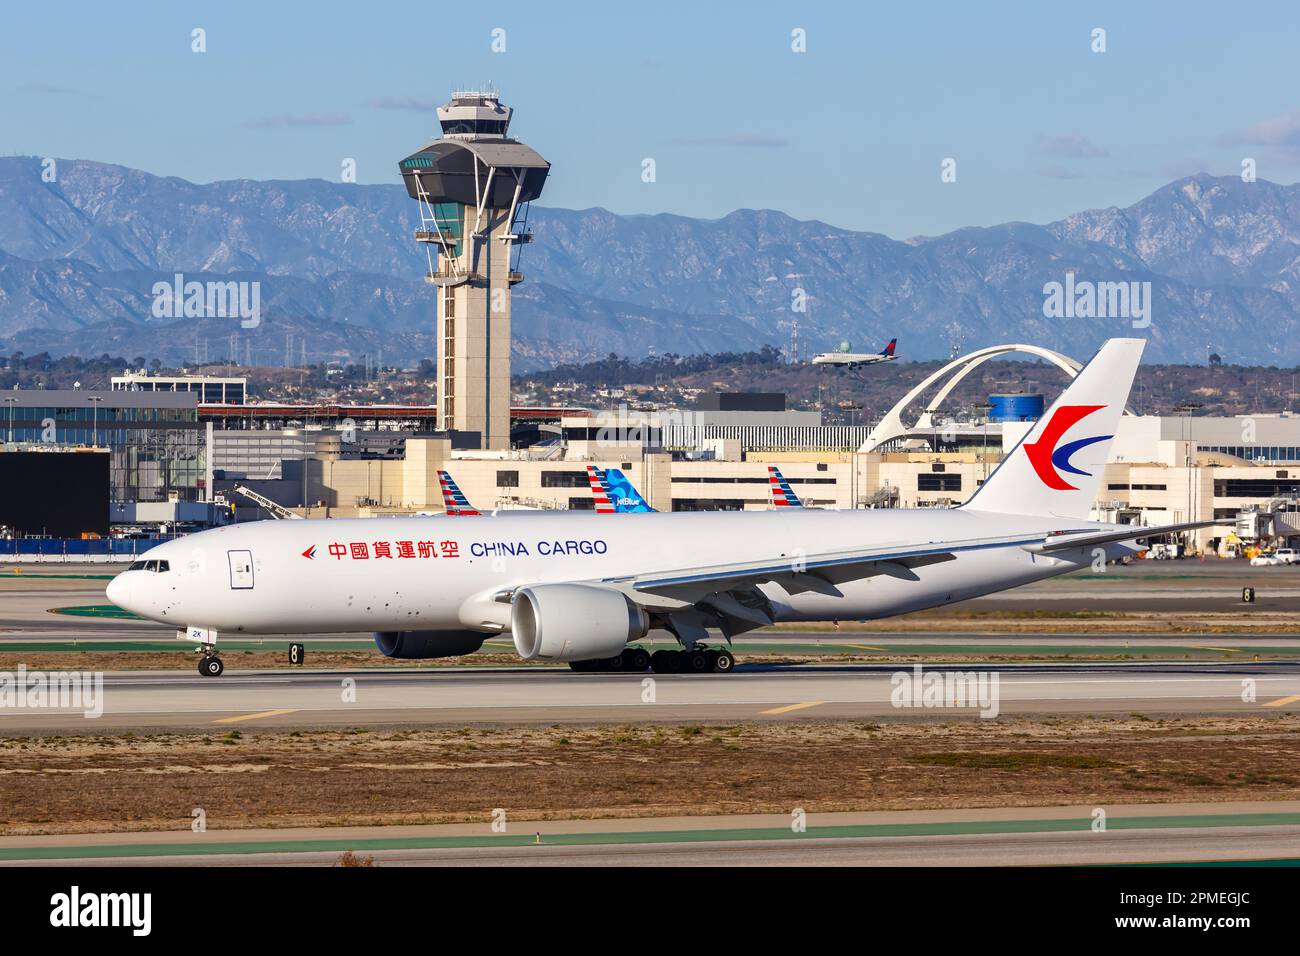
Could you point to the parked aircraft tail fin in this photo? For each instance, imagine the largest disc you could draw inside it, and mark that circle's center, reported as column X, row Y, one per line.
column 783, row 495
column 453, row 499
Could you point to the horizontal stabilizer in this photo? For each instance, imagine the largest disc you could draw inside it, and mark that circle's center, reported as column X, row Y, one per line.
column 1068, row 540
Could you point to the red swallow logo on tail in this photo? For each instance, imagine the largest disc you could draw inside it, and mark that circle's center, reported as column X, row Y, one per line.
column 1049, row 460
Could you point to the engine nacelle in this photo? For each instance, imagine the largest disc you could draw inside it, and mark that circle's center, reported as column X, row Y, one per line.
column 421, row 645
column 573, row 622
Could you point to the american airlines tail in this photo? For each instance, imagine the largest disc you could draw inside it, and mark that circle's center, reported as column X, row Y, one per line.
column 783, row 495
column 453, row 499
column 1059, row 464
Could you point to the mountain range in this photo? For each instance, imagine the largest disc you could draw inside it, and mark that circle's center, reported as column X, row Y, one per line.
column 341, row 276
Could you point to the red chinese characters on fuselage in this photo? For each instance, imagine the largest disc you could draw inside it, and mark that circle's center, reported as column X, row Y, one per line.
column 393, row 550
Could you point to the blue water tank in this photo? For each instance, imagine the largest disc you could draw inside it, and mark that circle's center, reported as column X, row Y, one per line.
column 1015, row 408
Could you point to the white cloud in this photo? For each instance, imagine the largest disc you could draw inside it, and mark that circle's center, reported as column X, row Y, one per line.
column 417, row 104
column 1072, row 146
column 1281, row 132
column 43, row 88
column 1057, row 171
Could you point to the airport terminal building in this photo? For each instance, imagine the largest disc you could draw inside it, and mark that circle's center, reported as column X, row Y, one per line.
column 156, row 446
column 175, row 462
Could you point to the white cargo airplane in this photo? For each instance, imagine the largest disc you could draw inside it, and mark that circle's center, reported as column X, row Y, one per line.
column 581, row 589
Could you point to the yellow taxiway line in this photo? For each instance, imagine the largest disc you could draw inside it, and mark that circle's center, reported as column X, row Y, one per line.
column 260, row 714
column 789, row 707
column 1283, row 701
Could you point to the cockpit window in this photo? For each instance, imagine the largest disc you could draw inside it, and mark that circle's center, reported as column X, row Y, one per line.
column 155, row 566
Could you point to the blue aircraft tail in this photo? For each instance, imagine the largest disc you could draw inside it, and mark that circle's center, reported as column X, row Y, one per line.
column 622, row 494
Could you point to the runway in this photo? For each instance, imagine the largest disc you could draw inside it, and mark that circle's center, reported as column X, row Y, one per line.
column 166, row 701
column 1202, row 673
column 1020, row 836
column 1255, row 670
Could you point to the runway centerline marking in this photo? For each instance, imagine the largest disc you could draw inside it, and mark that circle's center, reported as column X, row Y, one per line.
column 1283, row 701
column 260, row 714
column 789, row 707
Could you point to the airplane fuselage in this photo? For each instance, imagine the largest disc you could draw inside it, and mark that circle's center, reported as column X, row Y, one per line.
column 851, row 360
column 439, row 573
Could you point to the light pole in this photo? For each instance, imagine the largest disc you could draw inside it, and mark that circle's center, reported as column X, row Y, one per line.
column 94, row 404
column 11, row 402
column 985, row 407
column 1187, row 408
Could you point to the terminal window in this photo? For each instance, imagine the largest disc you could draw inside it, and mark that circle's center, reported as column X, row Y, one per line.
column 565, row 479
column 939, row 482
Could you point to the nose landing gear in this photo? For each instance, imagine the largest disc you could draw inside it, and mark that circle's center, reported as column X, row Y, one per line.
column 210, row 665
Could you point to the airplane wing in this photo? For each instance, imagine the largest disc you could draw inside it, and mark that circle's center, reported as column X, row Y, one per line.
column 800, row 572
column 729, row 593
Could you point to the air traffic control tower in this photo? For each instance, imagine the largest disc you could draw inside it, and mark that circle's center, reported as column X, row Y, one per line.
column 474, row 184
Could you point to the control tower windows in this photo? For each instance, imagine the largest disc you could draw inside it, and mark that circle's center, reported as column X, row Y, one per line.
column 469, row 127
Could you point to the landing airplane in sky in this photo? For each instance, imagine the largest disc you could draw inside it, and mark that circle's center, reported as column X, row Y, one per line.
column 614, row 492
column 580, row 589
column 783, row 495
column 848, row 359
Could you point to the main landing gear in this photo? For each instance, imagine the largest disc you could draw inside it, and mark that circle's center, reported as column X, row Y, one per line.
column 210, row 664
column 701, row 660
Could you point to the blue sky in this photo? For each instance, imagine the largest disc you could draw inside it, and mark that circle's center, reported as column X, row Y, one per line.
column 852, row 131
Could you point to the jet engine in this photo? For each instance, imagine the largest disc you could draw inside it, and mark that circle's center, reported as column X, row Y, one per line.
column 420, row 645
column 573, row 622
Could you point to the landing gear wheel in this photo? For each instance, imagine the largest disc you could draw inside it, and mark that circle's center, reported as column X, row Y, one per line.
column 666, row 662
column 638, row 659
column 697, row 662
column 616, row 663
column 724, row 663
column 211, row 666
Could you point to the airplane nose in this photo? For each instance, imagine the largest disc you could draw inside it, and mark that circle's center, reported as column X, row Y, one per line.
column 119, row 591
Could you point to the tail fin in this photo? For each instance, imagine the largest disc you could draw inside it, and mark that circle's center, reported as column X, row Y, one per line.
column 783, row 495
column 1057, row 467
column 599, row 490
column 453, row 499
column 622, row 494
column 889, row 349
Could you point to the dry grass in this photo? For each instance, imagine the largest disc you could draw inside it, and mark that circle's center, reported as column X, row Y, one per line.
column 310, row 778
